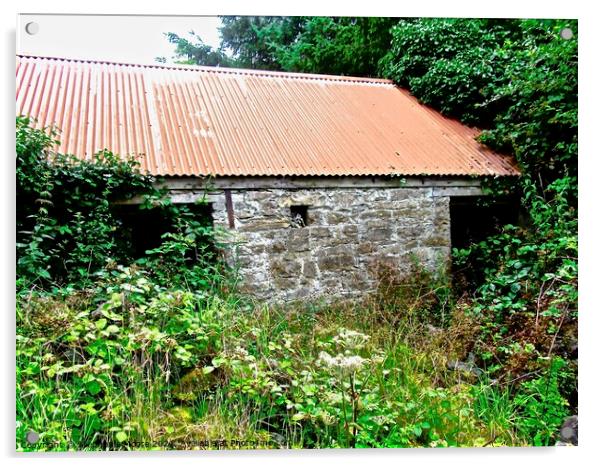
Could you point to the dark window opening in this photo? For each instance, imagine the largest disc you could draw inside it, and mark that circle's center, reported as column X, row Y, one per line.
column 143, row 229
column 298, row 216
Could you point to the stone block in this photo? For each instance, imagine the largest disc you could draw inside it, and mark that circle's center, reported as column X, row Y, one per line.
column 345, row 198
column 298, row 239
column 334, row 218
column 252, row 225
column 347, row 234
column 309, row 269
column 259, row 195
column 366, row 247
column 409, row 232
column 406, row 212
column 374, row 223
column 402, row 194
column 299, row 293
column 329, row 262
column 383, row 215
column 276, row 246
column 437, row 239
column 285, row 267
column 378, row 234
column 252, row 249
column 335, row 250
column 284, row 284
column 319, row 232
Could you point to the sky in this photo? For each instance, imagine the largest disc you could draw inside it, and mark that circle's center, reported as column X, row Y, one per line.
column 128, row 39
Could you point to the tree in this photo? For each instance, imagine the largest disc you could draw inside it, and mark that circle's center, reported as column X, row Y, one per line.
column 342, row 46
column 253, row 40
column 196, row 52
column 518, row 78
column 330, row 45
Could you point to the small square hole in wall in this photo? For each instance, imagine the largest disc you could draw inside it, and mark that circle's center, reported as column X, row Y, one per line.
column 298, row 216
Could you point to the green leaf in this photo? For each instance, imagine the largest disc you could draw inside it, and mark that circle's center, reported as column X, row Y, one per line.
column 217, row 362
column 93, row 387
column 101, row 323
column 121, row 436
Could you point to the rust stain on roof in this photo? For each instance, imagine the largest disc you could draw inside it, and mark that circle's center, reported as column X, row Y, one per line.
column 190, row 121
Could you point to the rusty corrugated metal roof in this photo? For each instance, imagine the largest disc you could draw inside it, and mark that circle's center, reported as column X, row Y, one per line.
column 204, row 120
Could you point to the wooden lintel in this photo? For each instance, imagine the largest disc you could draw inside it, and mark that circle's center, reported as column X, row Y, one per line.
column 189, row 190
column 244, row 183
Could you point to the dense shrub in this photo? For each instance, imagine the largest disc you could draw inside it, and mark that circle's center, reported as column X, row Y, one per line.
column 65, row 226
column 68, row 227
column 518, row 79
column 132, row 365
column 94, row 324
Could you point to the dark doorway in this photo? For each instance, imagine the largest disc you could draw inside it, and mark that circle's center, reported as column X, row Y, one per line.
column 473, row 219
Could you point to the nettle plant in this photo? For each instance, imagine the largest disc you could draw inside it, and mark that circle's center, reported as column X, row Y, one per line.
column 94, row 374
column 321, row 403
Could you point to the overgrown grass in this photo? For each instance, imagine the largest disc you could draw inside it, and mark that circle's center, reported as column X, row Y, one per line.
column 151, row 368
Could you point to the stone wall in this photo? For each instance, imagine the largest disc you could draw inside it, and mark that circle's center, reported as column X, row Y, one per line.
column 348, row 233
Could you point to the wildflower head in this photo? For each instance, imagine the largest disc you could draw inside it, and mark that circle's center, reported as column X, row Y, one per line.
column 350, row 339
column 341, row 362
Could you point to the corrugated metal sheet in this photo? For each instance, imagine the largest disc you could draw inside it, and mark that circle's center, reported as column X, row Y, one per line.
column 202, row 120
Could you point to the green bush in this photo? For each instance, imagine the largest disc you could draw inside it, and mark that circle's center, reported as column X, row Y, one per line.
column 65, row 226
column 517, row 79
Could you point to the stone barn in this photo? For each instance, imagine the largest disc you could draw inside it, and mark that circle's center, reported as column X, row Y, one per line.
column 318, row 179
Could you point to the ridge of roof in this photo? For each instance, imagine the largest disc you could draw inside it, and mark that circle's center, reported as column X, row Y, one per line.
column 223, row 70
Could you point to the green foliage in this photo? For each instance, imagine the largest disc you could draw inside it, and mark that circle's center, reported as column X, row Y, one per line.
column 187, row 257
column 544, row 408
column 252, row 39
column 68, row 228
column 333, row 45
column 450, row 64
column 100, row 334
column 538, row 123
column 496, row 406
column 526, row 301
column 338, row 390
column 518, row 78
column 342, row 46
column 65, row 226
column 91, row 382
column 196, row 52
